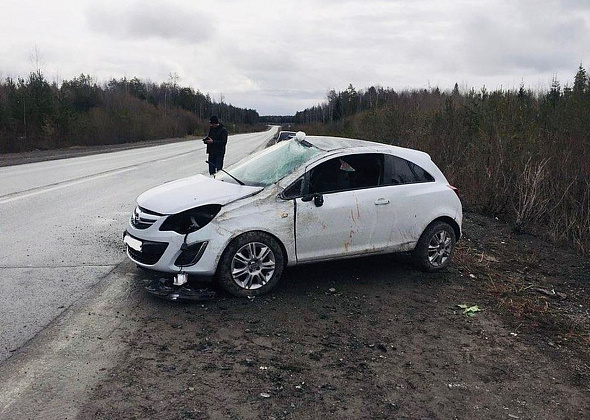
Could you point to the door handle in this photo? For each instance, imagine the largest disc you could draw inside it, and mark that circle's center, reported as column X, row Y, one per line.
column 381, row 201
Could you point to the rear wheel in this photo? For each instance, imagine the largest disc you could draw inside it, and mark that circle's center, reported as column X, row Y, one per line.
column 435, row 247
column 251, row 265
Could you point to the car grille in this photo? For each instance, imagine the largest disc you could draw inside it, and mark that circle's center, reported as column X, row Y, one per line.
column 143, row 219
column 150, row 252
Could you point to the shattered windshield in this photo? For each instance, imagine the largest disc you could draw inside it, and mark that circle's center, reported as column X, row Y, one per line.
column 272, row 164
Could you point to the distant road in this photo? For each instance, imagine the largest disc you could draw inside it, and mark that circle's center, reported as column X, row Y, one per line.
column 61, row 223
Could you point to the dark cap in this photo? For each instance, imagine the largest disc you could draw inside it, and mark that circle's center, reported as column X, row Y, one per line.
column 214, row 120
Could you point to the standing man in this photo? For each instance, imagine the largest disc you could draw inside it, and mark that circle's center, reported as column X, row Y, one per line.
column 215, row 141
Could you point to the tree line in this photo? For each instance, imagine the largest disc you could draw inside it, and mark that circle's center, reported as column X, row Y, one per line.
column 36, row 114
column 516, row 154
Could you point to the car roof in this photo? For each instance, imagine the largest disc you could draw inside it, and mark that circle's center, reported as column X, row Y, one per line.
column 335, row 146
column 332, row 144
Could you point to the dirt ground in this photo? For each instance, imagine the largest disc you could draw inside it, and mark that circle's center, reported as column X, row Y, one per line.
column 371, row 338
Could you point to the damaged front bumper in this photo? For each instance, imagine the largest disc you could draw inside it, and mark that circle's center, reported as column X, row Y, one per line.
column 170, row 252
column 165, row 288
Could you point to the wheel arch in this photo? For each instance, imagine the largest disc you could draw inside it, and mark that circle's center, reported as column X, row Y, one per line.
column 451, row 222
column 256, row 282
column 234, row 237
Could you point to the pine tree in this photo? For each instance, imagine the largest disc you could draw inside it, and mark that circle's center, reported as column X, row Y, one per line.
column 580, row 81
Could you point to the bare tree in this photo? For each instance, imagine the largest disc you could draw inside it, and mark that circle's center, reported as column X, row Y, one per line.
column 36, row 60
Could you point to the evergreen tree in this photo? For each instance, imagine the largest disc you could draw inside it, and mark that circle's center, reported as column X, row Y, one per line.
column 580, row 81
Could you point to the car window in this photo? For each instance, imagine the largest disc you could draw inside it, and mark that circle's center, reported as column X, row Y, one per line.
column 294, row 190
column 284, row 135
column 347, row 173
column 402, row 171
column 272, row 164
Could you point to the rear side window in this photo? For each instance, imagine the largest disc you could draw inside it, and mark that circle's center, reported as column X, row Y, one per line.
column 401, row 171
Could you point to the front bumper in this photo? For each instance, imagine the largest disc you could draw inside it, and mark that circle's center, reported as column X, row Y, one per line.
column 169, row 252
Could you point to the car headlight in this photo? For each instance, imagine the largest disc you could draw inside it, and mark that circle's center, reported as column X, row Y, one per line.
column 191, row 220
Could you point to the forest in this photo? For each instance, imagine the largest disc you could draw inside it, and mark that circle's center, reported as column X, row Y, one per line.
column 36, row 114
column 519, row 155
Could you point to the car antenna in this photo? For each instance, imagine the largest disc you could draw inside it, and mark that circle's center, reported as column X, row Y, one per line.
column 224, row 171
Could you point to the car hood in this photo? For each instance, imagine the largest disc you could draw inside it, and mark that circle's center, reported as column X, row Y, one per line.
column 186, row 193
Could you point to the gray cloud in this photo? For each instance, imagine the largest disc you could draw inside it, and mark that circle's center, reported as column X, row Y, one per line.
column 522, row 40
column 140, row 20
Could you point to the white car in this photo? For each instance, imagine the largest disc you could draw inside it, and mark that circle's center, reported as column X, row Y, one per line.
column 304, row 200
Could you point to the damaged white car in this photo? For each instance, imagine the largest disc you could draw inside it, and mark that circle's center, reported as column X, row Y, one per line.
column 304, row 200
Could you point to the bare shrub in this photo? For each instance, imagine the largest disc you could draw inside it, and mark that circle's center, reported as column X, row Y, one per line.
column 531, row 194
column 570, row 220
column 581, row 229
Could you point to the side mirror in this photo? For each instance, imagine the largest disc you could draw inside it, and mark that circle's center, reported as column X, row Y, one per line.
column 318, row 199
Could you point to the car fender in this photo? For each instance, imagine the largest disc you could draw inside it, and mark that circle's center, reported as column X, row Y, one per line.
column 445, row 211
column 272, row 215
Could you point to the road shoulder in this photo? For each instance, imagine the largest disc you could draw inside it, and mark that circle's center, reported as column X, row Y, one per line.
column 58, row 368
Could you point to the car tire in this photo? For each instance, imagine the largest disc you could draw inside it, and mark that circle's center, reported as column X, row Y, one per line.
column 251, row 265
column 435, row 247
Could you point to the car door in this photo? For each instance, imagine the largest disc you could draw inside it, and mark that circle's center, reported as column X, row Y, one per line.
column 338, row 212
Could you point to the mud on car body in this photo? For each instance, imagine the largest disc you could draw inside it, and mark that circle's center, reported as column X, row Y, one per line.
column 303, row 200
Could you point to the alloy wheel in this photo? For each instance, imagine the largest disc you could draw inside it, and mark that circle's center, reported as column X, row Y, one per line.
column 253, row 265
column 440, row 248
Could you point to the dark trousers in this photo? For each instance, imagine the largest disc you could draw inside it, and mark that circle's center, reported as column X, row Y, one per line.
column 215, row 163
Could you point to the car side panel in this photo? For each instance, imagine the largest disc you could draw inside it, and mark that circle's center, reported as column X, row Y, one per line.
column 409, row 211
column 266, row 213
column 343, row 226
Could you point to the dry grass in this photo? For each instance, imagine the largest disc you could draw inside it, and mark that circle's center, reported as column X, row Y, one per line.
column 515, row 279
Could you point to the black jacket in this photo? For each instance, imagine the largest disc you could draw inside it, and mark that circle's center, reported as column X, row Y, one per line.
column 219, row 136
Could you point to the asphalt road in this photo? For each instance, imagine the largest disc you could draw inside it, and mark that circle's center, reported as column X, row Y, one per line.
column 61, row 223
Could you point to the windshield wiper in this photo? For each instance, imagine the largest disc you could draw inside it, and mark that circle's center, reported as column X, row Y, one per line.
column 306, row 143
column 224, row 171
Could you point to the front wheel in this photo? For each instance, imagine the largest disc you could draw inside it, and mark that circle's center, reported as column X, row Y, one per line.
column 251, row 265
column 435, row 247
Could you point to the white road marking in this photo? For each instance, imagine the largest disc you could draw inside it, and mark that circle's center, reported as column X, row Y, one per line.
column 66, row 184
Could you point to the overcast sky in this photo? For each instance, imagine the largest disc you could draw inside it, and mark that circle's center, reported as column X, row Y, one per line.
column 282, row 56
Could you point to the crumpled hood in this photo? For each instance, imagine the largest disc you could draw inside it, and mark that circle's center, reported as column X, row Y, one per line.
column 186, row 193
